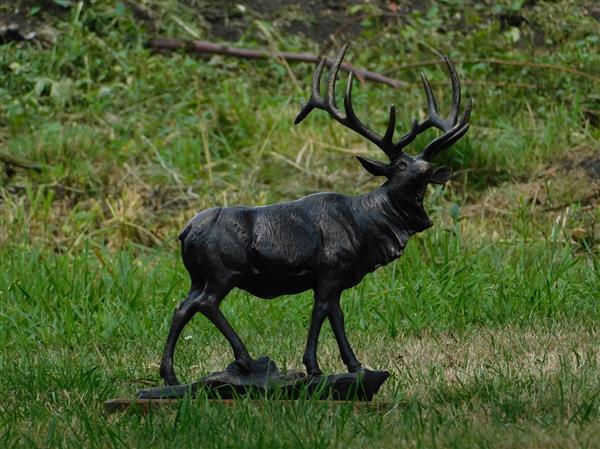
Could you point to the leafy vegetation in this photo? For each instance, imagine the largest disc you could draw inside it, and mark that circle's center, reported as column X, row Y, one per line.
column 489, row 320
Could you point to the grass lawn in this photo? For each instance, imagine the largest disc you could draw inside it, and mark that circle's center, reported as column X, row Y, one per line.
column 488, row 322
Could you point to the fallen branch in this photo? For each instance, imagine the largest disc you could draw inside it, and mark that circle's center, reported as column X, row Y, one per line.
column 196, row 46
column 493, row 61
column 21, row 163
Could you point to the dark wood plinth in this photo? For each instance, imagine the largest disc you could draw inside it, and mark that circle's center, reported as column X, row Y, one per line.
column 264, row 382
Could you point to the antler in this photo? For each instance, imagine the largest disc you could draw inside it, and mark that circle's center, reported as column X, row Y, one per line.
column 349, row 119
column 453, row 129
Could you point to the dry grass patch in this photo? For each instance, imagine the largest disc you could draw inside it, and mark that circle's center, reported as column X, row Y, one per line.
column 564, row 195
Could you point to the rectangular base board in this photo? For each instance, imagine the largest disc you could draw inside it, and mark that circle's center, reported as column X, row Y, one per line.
column 145, row 405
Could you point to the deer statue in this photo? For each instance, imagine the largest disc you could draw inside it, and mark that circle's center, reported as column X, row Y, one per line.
column 325, row 242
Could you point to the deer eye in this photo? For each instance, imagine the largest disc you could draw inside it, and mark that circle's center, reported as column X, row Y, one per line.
column 402, row 165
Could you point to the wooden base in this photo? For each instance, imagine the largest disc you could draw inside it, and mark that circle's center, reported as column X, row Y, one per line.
column 266, row 381
column 263, row 384
column 146, row 405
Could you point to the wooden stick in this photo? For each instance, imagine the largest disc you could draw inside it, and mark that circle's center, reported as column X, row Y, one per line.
column 196, row 46
column 17, row 162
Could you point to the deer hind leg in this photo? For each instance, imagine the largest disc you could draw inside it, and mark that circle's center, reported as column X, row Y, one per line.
column 182, row 315
column 210, row 309
column 206, row 302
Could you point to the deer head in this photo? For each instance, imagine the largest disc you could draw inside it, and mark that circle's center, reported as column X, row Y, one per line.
column 405, row 173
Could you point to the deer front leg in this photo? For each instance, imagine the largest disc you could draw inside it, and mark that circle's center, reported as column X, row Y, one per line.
column 326, row 294
column 336, row 319
column 319, row 313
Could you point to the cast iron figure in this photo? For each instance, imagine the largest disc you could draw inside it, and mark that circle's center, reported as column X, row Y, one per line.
column 326, row 242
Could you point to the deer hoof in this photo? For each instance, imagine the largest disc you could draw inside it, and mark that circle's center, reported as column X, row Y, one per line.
column 354, row 368
column 168, row 375
column 314, row 372
column 244, row 363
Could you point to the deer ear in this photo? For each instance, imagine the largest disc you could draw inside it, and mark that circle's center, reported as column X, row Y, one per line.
column 374, row 167
column 440, row 175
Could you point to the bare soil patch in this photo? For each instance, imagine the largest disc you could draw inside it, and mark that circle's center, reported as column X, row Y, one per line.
column 568, row 189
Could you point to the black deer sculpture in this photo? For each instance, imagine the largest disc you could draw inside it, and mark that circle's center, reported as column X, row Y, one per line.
column 326, row 242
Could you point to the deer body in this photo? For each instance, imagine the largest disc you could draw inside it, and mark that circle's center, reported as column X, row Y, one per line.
column 325, row 242
column 283, row 248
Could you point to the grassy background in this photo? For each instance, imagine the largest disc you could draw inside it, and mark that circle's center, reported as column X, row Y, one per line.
column 489, row 320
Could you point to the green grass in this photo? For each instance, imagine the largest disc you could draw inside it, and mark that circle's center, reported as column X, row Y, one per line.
column 488, row 322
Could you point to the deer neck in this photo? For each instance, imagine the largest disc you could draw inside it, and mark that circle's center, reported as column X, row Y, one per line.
column 389, row 219
column 406, row 207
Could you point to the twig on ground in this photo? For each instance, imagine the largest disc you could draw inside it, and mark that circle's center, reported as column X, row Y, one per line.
column 17, row 162
column 197, row 46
